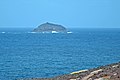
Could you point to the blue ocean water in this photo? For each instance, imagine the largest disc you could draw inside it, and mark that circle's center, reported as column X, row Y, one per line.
column 35, row 55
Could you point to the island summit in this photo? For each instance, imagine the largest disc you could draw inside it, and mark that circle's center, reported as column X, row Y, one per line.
column 51, row 28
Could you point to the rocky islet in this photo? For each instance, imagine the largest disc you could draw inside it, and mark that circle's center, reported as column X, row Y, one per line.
column 50, row 28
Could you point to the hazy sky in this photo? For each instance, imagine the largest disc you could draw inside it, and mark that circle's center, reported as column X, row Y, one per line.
column 70, row 13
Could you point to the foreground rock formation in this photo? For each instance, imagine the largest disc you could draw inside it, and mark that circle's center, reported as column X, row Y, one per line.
column 50, row 28
column 108, row 72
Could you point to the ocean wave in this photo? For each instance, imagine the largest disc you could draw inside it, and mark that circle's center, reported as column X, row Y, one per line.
column 32, row 32
column 2, row 32
column 69, row 32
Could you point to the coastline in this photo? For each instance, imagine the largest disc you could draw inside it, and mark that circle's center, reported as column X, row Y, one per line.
column 107, row 72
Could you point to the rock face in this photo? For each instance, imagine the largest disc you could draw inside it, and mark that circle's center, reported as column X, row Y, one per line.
column 50, row 28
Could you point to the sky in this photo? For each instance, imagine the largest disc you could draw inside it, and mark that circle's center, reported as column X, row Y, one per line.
column 70, row 13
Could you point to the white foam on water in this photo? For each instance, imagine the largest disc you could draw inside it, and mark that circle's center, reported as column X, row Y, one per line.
column 2, row 32
column 54, row 32
column 32, row 32
column 69, row 32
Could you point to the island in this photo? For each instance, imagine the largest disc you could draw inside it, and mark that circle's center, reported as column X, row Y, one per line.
column 50, row 28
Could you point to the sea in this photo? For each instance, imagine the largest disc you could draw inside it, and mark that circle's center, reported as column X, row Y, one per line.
column 24, row 54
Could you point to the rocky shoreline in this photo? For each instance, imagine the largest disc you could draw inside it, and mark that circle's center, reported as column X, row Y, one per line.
column 108, row 72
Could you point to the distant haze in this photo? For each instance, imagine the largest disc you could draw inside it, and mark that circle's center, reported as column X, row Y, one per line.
column 69, row 13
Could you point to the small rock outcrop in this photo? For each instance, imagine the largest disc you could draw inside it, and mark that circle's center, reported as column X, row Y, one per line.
column 50, row 28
